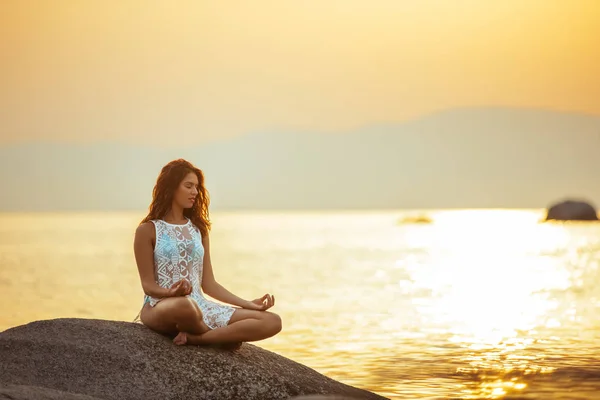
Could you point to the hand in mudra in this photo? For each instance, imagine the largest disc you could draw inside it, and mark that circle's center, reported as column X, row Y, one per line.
column 180, row 288
column 262, row 303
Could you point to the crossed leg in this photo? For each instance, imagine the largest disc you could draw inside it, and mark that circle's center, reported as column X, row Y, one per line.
column 244, row 326
column 173, row 315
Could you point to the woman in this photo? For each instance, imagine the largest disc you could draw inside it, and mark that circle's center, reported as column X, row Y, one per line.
column 172, row 251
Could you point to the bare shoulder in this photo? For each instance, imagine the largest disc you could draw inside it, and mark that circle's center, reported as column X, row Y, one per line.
column 206, row 239
column 145, row 231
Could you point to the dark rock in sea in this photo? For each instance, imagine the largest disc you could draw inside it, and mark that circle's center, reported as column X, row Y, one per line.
column 571, row 210
column 415, row 219
column 79, row 359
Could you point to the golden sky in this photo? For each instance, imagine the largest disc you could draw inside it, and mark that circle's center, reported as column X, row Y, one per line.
column 167, row 71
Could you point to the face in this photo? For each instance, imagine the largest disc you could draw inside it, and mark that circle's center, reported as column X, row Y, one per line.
column 187, row 192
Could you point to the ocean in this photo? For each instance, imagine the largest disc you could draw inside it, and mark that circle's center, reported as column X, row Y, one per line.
column 463, row 304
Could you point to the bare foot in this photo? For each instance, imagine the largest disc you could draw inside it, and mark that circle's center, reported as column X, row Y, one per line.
column 230, row 346
column 180, row 339
column 183, row 338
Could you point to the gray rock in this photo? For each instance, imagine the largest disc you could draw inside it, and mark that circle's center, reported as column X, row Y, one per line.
column 21, row 392
column 571, row 210
column 121, row 360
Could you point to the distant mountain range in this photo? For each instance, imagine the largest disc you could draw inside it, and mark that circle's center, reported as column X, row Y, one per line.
column 460, row 158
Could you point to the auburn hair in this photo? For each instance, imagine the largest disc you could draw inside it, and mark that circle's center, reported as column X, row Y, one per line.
column 168, row 181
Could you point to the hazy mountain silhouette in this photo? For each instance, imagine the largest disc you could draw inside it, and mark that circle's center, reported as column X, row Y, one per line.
column 459, row 158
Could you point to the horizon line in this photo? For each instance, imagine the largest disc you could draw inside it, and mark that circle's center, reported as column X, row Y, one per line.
column 278, row 210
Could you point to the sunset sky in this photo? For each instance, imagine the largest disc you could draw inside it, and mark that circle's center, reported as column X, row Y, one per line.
column 175, row 72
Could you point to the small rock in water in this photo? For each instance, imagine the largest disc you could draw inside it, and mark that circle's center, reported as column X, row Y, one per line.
column 572, row 210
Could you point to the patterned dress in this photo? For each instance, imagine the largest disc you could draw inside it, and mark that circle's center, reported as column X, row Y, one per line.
column 179, row 254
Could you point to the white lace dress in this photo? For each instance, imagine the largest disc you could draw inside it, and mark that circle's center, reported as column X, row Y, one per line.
column 179, row 254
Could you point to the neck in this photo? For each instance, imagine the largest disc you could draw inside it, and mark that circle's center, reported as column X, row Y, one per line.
column 175, row 214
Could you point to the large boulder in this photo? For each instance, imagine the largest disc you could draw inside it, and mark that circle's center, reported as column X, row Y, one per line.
column 95, row 359
column 571, row 210
column 22, row 392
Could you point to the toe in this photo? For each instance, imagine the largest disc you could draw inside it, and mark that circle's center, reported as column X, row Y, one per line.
column 180, row 339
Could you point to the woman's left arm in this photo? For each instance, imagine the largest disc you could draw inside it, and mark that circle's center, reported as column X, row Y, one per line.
column 211, row 287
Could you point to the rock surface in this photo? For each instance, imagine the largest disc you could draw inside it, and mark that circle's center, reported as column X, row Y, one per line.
column 79, row 359
column 21, row 392
column 571, row 210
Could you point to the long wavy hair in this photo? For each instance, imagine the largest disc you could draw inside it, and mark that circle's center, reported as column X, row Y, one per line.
column 168, row 181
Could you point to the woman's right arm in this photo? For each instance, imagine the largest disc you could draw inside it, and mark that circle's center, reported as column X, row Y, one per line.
column 144, row 257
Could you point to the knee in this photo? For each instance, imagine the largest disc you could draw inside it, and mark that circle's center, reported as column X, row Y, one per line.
column 184, row 308
column 274, row 322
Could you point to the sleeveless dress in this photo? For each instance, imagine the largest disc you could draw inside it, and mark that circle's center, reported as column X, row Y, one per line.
column 179, row 254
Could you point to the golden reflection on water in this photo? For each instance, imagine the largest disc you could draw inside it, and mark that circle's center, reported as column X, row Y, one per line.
column 489, row 276
column 477, row 304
